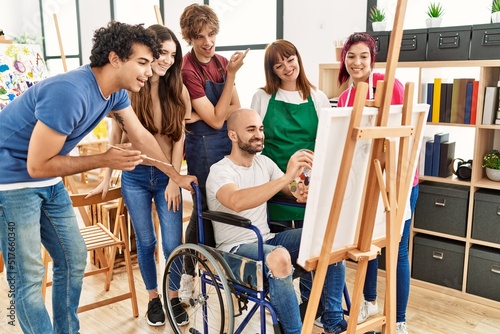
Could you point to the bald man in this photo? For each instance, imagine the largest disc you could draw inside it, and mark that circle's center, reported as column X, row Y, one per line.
column 242, row 183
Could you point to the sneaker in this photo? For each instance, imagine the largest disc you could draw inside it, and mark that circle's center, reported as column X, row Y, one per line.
column 180, row 314
column 155, row 314
column 401, row 328
column 341, row 327
column 187, row 289
column 367, row 310
column 317, row 322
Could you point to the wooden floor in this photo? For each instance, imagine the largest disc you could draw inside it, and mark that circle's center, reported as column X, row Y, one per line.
column 429, row 312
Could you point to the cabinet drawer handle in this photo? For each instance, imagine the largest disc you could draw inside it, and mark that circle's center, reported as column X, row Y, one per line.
column 449, row 41
column 437, row 255
column 440, row 202
column 495, row 269
column 490, row 38
column 498, row 210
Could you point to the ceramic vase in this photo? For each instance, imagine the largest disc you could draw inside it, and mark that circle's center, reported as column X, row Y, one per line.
column 493, row 174
column 379, row 26
column 433, row 22
column 495, row 17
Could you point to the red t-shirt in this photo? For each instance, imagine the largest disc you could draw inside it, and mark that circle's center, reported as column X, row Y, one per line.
column 397, row 93
column 193, row 77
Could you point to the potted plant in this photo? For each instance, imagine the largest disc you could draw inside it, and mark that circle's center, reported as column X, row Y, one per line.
column 495, row 11
column 435, row 13
column 491, row 161
column 377, row 18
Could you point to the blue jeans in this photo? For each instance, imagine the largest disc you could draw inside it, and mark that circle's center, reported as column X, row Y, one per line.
column 402, row 271
column 31, row 217
column 282, row 292
column 139, row 188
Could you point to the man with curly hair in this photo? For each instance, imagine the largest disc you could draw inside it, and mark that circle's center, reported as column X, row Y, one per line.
column 37, row 131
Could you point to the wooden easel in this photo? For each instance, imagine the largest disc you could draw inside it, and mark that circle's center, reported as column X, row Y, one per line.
column 159, row 19
column 394, row 192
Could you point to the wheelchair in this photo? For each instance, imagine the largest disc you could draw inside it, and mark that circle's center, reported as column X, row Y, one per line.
column 229, row 289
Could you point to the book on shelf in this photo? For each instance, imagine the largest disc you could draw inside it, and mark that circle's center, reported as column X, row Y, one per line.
column 490, row 105
column 473, row 108
column 421, row 156
column 429, row 153
column 446, row 155
column 445, row 107
column 458, row 116
column 430, row 94
column 454, row 100
column 436, row 100
column 468, row 102
column 439, row 138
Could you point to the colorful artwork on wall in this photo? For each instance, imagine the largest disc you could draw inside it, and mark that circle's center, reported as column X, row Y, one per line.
column 21, row 66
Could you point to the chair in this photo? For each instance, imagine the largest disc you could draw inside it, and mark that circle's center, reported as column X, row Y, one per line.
column 104, row 243
column 224, row 285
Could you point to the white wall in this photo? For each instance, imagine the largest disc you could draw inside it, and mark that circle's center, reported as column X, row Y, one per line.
column 315, row 27
column 20, row 17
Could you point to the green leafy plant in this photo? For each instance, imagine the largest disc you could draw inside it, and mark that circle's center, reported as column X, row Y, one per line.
column 377, row 14
column 435, row 10
column 492, row 159
column 495, row 6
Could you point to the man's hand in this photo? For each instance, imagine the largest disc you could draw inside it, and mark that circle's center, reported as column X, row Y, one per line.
column 236, row 61
column 120, row 157
column 185, row 182
column 299, row 161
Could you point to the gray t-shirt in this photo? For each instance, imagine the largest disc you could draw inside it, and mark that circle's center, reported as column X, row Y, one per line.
column 225, row 172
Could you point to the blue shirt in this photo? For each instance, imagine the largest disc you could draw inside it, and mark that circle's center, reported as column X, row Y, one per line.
column 70, row 103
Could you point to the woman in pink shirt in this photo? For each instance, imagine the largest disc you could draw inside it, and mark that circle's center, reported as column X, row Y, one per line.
column 357, row 62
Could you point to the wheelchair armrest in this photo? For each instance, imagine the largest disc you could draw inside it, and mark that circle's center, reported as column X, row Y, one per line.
column 226, row 218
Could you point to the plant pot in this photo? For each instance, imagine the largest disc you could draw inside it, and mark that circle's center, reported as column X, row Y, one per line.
column 495, row 17
column 493, row 174
column 379, row 26
column 433, row 22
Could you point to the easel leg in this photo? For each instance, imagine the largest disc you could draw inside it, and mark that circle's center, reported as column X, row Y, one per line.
column 356, row 299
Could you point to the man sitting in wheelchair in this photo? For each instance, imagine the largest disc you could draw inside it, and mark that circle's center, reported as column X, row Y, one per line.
column 242, row 183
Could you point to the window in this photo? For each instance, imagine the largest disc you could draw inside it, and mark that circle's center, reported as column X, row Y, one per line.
column 240, row 16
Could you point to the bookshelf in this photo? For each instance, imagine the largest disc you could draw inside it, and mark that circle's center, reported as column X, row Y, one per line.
column 481, row 138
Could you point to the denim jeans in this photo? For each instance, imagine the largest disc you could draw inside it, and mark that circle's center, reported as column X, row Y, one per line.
column 30, row 217
column 139, row 188
column 402, row 271
column 204, row 146
column 282, row 292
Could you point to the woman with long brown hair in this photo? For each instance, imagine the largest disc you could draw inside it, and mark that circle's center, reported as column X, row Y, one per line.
column 161, row 105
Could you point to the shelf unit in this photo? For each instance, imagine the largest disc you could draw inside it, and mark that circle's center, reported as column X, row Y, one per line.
column 485, row 138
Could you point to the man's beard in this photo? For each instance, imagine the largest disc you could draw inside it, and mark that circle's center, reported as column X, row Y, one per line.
column 248, row 147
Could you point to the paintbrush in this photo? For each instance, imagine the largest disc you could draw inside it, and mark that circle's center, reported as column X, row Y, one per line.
column 144, row 156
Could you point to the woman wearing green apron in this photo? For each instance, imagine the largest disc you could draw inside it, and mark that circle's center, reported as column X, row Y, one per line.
column 289, row 106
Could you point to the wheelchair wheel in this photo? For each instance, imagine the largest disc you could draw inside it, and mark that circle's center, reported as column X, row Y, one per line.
column 210, row 308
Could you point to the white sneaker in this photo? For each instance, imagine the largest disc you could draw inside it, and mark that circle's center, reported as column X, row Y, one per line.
column 367, row 310
column 401, row 328
column 318, row 323
column 187, row 289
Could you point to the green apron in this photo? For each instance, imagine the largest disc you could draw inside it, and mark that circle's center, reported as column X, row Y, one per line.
column 288, row 128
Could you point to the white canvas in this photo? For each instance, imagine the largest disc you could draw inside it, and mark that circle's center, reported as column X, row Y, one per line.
column 330, row 142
